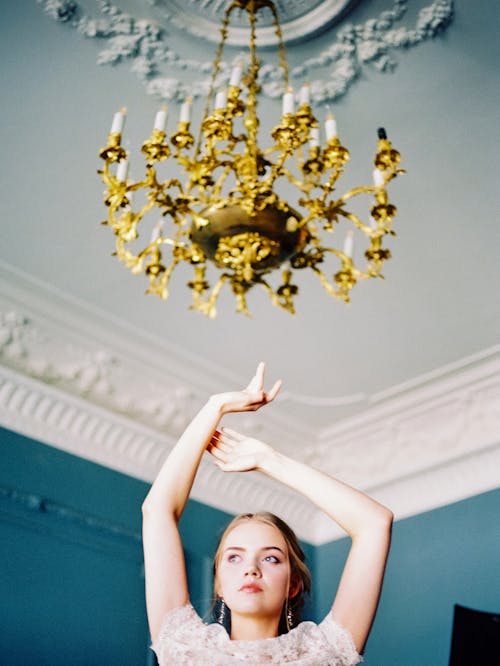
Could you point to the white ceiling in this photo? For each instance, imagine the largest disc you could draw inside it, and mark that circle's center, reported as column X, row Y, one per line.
column 433, row 325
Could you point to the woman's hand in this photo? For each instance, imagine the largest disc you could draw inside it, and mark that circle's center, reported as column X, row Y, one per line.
column 249, row 399
column 234, row 452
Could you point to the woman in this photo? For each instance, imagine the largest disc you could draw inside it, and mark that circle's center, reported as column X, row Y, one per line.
column 260, row 577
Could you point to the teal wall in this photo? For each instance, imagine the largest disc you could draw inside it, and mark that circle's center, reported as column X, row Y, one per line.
column 71, row 580
column 72, row 587
column 439, row 558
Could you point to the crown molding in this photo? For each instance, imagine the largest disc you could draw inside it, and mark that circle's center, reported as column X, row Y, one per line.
column 72, row 424
column 60, row 341
column 68, row 380
column 76, row 426
column 443, row 417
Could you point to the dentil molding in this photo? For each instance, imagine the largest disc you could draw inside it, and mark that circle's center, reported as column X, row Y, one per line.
column 145, row 43
column 424, row 444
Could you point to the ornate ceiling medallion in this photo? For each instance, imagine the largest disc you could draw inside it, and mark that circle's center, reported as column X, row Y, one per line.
column 299, row 19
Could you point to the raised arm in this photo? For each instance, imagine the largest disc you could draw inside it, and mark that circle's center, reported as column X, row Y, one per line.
column 165, row 570
column 367, row 522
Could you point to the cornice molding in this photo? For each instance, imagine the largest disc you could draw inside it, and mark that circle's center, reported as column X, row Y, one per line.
column 85, row 352
column 453, row 415
column 74, row 425
column 145, row 44
column 429, row 442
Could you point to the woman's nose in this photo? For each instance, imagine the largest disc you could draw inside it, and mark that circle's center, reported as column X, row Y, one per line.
column 252, row 570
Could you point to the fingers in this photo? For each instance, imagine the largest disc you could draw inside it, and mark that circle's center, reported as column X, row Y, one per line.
column 218, row 453
column 230, row 434
column 220, row 456
column 257, row 386
column 220, row 442
column 257, row 381
column 233, row 452
column 261, row 369
column 274, row 391
column 223, row 443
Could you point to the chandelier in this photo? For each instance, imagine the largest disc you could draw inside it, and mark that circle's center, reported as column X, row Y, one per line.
column 225, row 216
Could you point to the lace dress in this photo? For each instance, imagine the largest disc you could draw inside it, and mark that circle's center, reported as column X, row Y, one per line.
column 184, row 640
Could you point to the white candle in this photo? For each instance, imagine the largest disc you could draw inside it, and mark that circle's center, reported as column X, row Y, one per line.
column 288, row 102
column 157, row 230
column 161, row 119
column 378, row 177
column 185, row 115
column 305, row 95
column 314, row 137
column 349, row 243
column 122, row 171
column 330, row 127
column 221, row 100
column 236, row 75
column 118, row 121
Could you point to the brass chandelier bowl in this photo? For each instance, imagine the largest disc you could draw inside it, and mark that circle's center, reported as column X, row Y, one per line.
column 226, row 216
column 262, row 240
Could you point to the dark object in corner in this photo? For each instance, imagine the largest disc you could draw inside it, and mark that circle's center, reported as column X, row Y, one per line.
column 476, row 637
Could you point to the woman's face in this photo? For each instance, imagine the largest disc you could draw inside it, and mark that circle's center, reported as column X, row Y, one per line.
column 253, row 575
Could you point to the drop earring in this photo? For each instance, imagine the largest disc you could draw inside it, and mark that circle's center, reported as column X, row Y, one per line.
column 289, row 616
column 221, row 615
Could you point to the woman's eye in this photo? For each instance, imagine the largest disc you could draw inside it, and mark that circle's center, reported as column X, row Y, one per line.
column 233, row 558
column 271, row 558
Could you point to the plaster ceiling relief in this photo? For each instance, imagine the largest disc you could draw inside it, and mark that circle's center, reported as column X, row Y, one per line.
column 299, row 19
column 161, row 63
column 46, row 336
column 95, row 373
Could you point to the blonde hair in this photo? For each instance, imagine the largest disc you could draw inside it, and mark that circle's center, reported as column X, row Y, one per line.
column 300, row 575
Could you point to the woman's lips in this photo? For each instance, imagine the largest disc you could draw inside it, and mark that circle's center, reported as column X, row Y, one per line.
column 251, row 588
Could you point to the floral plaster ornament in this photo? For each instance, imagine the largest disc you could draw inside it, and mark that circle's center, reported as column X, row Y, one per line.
column 144, row 43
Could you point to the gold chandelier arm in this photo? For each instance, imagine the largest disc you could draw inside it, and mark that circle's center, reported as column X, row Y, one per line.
column 350, row 274
column 283, row 297
column 222, row 178
column 131, row 261
column 329, row 186
column 299, row 184
column 345, row 285
column 105, row 173
column 158, row 283
column 277, row 170
column 362, row 189
column 208, row 307
column 241, row 304
column 360, row 225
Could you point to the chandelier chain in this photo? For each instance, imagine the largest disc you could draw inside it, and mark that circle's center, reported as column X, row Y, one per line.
column 216, row 70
